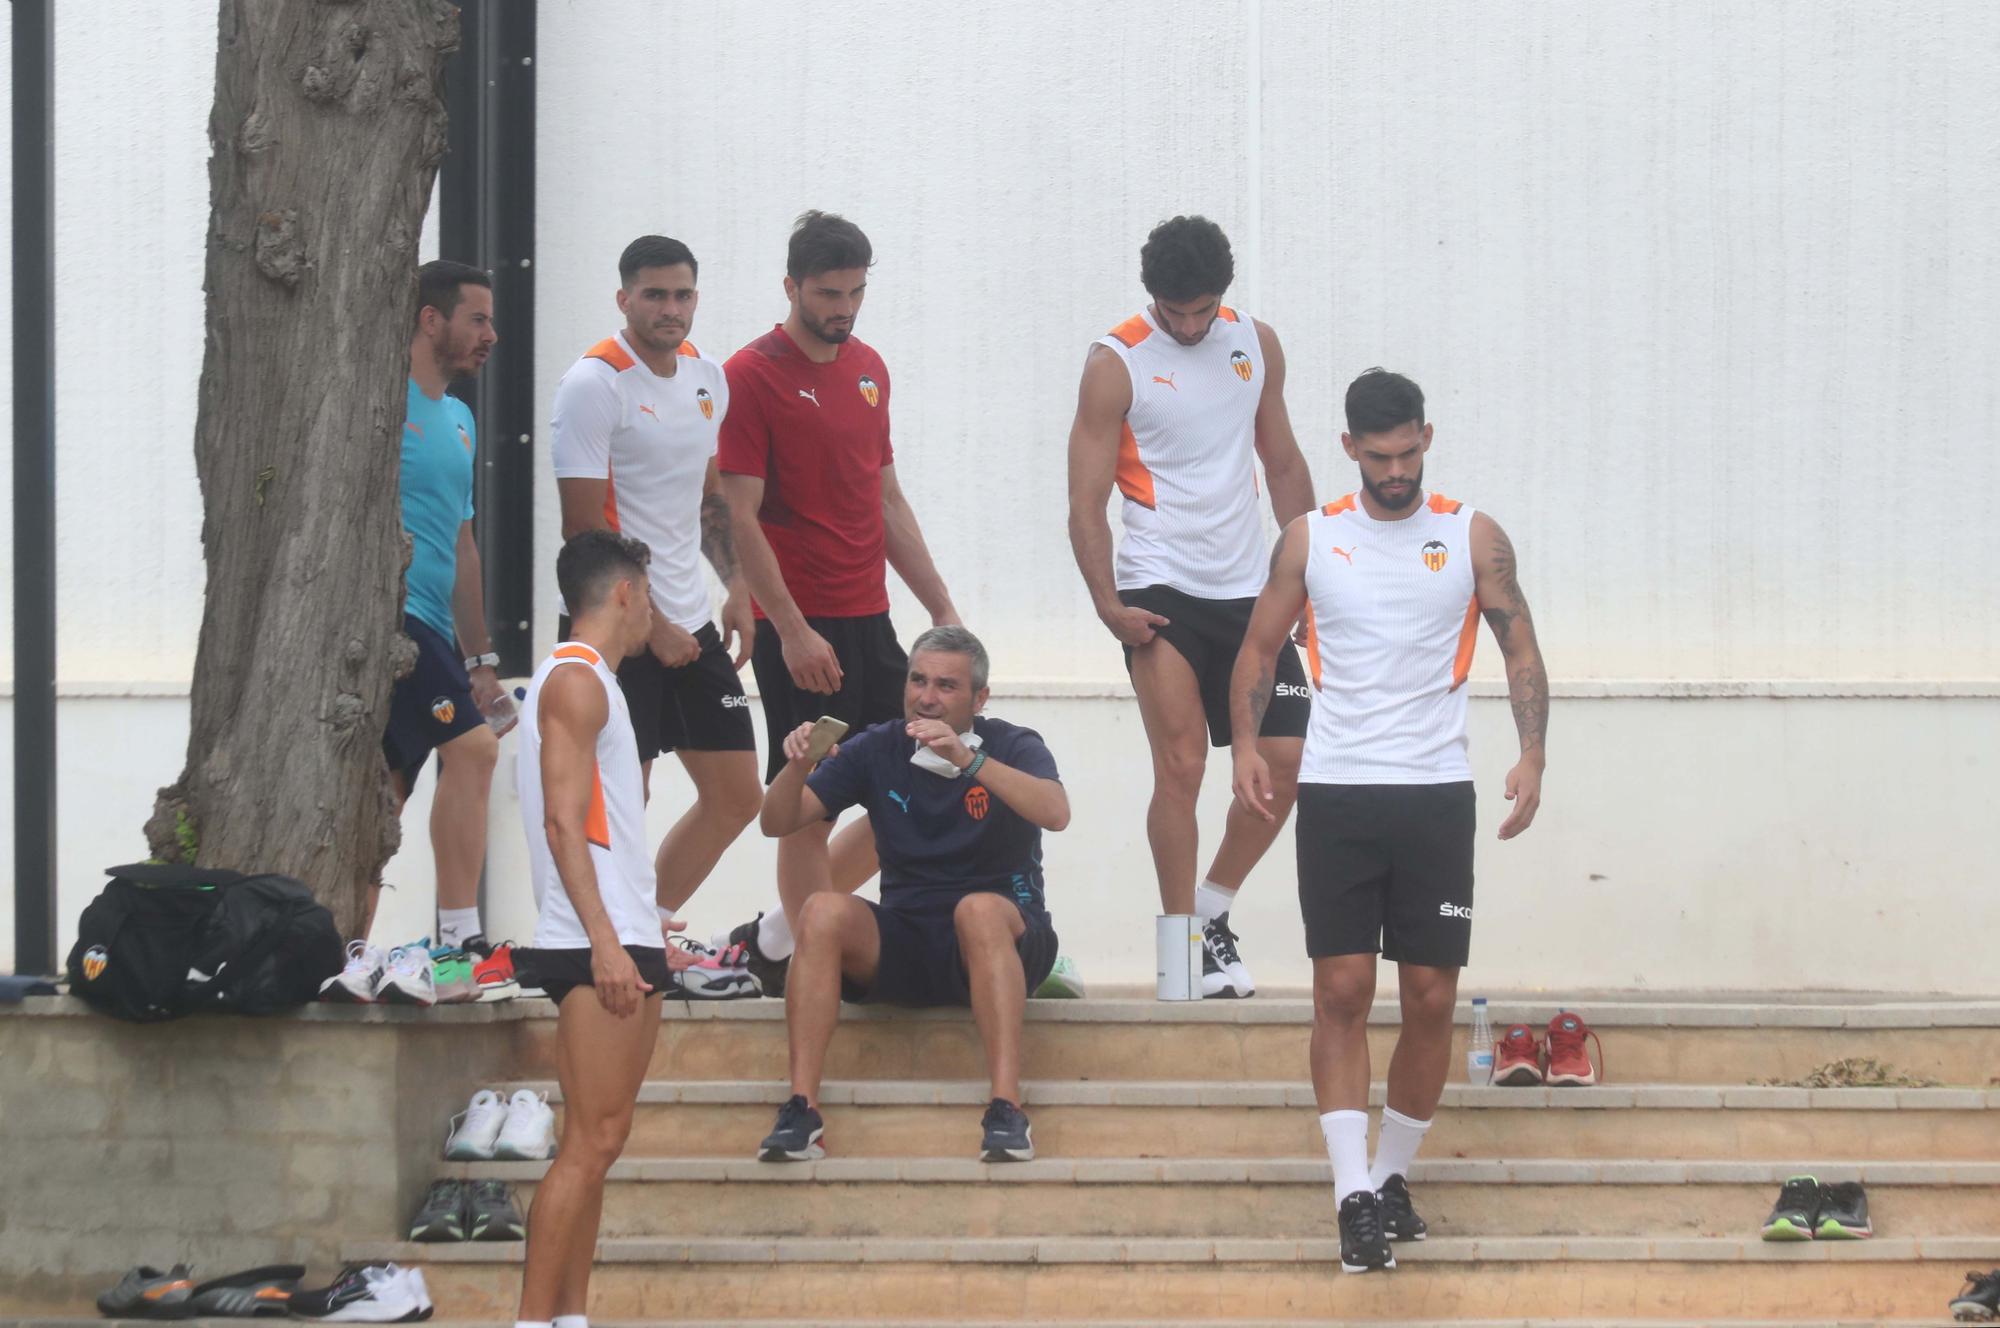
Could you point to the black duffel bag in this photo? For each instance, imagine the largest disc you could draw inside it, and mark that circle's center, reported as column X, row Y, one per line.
column 162, row 941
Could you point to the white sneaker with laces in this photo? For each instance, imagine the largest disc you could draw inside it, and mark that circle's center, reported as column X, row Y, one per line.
column 477, row 1128
column 355, row 984
column 717, row 975
column 414, row 1279
column 408, row 978
column 530, row 1132
column 389, row 1299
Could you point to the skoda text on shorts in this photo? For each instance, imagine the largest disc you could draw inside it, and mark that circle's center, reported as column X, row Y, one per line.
column 441, row 704
column 810, row 475
column 1396, row 579
column 598, row 952
column 1178, row 405
column 634, row 429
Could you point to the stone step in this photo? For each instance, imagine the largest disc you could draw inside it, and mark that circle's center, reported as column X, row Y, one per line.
column 1222, row 1197
column 52, row 1322
column 925, row 1118
column 1032, row 1280
column 1954, row 1042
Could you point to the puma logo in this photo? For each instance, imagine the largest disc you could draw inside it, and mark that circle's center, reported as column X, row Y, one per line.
column 900, row 799
column 1344, row 553
column 648, row 410
column 810, row 394
column 1168, row 380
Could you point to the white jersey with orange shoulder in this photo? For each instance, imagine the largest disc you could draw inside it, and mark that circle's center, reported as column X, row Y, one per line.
column 649, row 439
column 1187, row 458
column 614, row 825
column 1392, row 619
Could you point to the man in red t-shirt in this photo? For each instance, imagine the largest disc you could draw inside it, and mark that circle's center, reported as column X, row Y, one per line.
column 810, row 477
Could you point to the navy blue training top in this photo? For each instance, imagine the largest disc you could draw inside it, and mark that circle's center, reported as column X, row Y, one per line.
column 940, row 839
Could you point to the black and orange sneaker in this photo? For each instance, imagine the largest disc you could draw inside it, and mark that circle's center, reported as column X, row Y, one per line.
column 148, row 1293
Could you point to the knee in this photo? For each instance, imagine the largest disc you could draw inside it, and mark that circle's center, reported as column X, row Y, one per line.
column 1429, row 1001
column 1177, row 771
column 984, row 919
column 1341, row 1000
column 596, row 1143
column 819, row 919
column 736, row 803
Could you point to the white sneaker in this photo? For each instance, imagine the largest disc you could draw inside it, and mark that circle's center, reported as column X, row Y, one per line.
column 379, row 1293
column 530, row 1132
column 717, row 975
column 476, row 1128
column 414, row 1278
column 356, row 983
column 408, row 978
column 1223, row 972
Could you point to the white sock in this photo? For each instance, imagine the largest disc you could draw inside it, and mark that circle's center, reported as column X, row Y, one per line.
column 1347, row 1145
column 534, row 1323
column 1212, row 901
column 1397, row 1148
column 457, row 925
column 774, row 934
column 571, row 1321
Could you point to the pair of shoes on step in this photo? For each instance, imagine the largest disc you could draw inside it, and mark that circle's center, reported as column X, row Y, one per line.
column 799, row 1135
column 520, row 1129
column 422, row 974
column 146, row 1292
column 468, row 1210
column 1520, row 1059
column 1808, row 1210
column 1373, row 1220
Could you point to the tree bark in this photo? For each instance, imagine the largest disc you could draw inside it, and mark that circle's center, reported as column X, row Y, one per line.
column 328, row 126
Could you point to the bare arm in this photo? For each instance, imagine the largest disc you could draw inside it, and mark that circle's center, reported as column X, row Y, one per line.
column 718, row 545
column 808, row 657
column 468, row 616
column 1043, row 802
column 1101, row 402
column 788, row 804
column 1285, row 469
column 904, row 543
column 583, row 508
column 1505, row 608
column 572, row 712
column 1250, row 681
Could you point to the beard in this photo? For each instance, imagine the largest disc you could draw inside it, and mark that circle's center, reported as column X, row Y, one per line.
column 833, row 336
column 1395, row 502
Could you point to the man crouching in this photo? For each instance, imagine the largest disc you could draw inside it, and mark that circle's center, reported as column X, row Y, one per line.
column 958, row 805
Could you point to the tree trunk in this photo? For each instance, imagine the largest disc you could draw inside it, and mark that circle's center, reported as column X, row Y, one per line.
column 328, row 127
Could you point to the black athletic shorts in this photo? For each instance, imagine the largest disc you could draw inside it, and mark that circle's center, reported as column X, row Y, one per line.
column 560, row 972
column 921, row 966
column 873, row 669
column 1208, row 633
column 694, row 707
column 1387, row 867
column 430, row 705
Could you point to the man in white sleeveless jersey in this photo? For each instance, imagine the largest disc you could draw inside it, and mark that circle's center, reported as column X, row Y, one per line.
column 600, row 946
column 1393, row 580
column 1178, row 405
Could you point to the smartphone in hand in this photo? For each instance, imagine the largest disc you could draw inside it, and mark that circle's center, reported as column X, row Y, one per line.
column 826, row 731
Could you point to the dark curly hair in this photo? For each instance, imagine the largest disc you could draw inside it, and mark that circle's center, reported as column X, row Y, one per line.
column 1186, row 258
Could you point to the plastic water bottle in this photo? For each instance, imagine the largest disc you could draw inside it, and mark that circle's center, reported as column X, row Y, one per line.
column 1479, row 1054
column 505, row 713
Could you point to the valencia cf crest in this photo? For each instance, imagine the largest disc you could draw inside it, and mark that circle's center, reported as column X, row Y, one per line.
column 1435, row 554
column 706, row 402
column 1241, row 364
column 976, row 802
column 95, row 960
column 443, row 711
column 869, row 391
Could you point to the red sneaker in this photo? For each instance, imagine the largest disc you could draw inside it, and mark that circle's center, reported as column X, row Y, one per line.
column 495, row 973
column 1569, row 1063
column 1517, row 1058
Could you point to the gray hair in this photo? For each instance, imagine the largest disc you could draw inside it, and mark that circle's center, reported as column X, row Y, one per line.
column 955, row 641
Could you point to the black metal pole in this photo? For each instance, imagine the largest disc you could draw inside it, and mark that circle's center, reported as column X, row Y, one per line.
column 34, row 491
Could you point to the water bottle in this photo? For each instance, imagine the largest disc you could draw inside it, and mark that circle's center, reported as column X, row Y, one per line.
column 1479, row 1053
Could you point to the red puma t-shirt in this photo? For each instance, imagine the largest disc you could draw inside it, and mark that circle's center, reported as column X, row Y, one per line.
column 818, row 436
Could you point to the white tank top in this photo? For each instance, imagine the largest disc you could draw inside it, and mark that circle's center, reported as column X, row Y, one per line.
column 1187, row 460
column 1392, row 622
column 615, row 825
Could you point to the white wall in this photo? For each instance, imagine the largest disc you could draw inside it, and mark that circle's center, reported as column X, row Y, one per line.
column 1703, row 297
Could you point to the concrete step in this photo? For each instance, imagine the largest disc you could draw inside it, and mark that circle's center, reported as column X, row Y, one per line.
column 1223, row 1197
column 932, row 1118
column 1593, row 1279
column 1051, row 1323
column 1954, row 1042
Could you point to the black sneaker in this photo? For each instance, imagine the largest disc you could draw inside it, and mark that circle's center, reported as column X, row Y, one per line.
column 1843, row 1212
column 492, row 1213
column 1223, row 974
column 770, row 973
column 796, row 1137
column 1399, row 1215
column 148, row 1293
column 1364, row 1245
column 1980, row 1301
column 1008, row 1136
column 477, row 946
column 1797, row 1212
column 441, row 1216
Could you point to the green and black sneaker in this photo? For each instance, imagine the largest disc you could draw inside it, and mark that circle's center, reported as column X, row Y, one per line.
column 1796, row 1215
column 494, row 1216
column 1843, row 1212
column 441, row 1216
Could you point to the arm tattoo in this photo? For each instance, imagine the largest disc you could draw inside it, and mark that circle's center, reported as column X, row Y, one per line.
column 718, row 545
column 1259, row 693
column 1527, row 678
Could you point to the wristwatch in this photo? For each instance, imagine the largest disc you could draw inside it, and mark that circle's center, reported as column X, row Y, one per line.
column 489, row 660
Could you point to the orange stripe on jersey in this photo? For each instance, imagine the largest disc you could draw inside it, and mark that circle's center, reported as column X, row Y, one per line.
column 687, row 349
column 1225, row 313
column 1339, row 505
column 1312, row 643
column 582, row 652
column 611, row 353
column 597, row 821
column 1468, row 639
column 1133, row 331
column 1444, row 506
column 1134, row 480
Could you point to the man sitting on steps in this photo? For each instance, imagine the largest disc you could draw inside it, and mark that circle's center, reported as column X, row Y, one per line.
column 957, row 805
